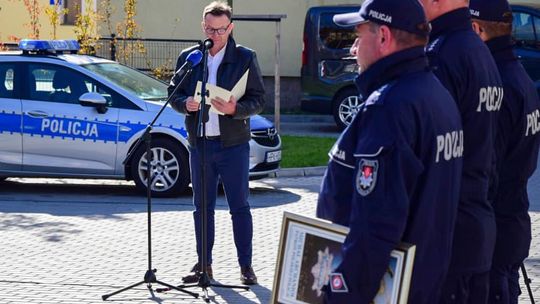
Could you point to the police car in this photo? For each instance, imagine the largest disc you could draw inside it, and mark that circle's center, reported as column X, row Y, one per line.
column 69, row 115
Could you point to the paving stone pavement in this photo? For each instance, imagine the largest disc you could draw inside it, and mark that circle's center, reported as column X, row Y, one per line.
column 71, row 241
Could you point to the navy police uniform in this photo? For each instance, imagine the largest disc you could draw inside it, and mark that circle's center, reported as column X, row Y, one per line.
column 517, row 144
column 464, row 65
column 399, row 162
column 518, row 139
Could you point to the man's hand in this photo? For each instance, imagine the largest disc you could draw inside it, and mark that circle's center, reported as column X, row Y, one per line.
column 223, row 106
column 192, row 105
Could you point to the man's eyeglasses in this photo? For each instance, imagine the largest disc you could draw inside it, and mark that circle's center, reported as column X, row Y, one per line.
column 219, row 31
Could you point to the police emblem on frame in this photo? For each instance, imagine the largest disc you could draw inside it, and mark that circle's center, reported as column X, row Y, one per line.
column 337, row 283
column 366, row 178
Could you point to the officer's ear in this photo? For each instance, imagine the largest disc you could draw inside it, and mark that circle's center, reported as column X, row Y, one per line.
column 384, row 34
column 386, row 40
column 477, row 28
column 480, row 30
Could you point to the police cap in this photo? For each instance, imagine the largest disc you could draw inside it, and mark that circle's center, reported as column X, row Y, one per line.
column 491, row 10
column 406, row 15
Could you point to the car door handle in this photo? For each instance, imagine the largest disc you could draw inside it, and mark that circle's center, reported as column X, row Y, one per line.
column 37, row 114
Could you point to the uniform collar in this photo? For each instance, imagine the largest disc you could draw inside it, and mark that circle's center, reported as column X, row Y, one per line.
column 459, row 19
column 501, row 48
column 391, row 67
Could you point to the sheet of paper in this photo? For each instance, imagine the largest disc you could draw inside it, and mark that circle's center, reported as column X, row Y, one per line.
column 214, row 91
column 240, row 87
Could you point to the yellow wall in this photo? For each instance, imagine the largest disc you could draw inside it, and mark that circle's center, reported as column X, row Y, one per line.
column 13, row 16
column 181, row 19
column 524, row 1
column 261, row 35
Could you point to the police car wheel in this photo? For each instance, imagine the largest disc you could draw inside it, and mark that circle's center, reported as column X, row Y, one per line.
column 170, row 165
column 346, row 105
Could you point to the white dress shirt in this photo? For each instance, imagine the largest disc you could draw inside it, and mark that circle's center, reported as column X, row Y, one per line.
column 212, row 126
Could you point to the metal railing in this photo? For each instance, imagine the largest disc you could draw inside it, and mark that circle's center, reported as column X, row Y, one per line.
column 11, row 46
column 146, row 55
column 143, row 54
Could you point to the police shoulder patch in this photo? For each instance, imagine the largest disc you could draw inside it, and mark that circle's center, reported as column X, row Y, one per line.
column 337, row 283
column 377, row 97
column 433, row 49
column 366, row 178
column 433, row 46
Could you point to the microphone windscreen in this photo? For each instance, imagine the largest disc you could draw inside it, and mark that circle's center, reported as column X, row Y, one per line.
column 194, row 57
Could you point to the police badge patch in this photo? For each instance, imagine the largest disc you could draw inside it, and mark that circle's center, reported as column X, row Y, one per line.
column 366, row 178
column 337, row 283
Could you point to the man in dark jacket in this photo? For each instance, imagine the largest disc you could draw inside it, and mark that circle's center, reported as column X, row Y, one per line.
column 399, row 162
column 517, row 142
column 464, row 65
column 226, row 142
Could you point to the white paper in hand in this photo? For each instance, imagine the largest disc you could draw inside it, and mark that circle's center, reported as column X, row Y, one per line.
column 214, row 91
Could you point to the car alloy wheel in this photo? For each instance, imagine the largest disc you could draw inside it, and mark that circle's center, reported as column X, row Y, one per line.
column 348, row 109
column 347, row 105
column 169, row 165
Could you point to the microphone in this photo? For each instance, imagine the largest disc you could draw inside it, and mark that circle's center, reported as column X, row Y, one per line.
column 208, row 43
column 192, row 60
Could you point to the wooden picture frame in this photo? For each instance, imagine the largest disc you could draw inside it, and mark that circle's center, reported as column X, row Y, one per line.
column 310, row 249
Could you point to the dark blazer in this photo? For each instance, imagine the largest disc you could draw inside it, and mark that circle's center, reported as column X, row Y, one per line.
column 237, row 59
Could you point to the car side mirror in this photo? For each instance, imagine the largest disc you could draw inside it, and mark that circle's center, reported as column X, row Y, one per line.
column 93, row 99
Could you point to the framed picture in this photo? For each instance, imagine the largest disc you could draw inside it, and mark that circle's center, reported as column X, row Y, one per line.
column 310, row 250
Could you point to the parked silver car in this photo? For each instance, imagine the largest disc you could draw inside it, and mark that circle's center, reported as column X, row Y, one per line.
column 69, row 115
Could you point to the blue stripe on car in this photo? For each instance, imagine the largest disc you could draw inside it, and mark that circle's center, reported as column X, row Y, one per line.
column 73, row 129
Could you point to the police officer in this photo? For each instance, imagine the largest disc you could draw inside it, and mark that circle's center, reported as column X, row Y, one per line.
column 517, row 141
column 399, row 162
column 464, row 65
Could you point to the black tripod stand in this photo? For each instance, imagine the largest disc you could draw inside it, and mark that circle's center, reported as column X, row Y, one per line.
column 150, row 275
column 527, row 281
column 204, row 279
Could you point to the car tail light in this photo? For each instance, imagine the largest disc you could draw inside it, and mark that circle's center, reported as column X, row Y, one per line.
column 304, row 51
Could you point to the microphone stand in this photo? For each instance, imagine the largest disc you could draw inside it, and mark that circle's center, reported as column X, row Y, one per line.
column 150, row 275
column 527, row 281
column 204, row 280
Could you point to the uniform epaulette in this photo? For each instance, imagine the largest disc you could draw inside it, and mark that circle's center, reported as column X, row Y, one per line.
column 434, row 46
column 378, row 96
column 432, row 51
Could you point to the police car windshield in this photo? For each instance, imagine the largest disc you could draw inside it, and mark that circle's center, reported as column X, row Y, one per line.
column 131, row 80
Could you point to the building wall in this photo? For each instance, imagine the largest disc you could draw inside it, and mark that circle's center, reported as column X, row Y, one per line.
column 13, row 17
column 182, row 18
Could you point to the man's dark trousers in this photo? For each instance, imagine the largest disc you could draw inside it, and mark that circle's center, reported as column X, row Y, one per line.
column 230, row 165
